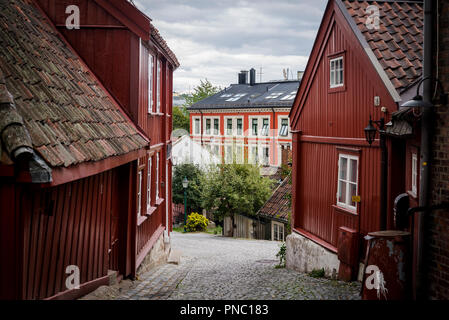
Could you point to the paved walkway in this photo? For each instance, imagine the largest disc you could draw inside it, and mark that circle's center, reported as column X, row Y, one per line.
column 215, row 267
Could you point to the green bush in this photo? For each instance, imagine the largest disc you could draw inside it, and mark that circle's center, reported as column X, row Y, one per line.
column 196, row 222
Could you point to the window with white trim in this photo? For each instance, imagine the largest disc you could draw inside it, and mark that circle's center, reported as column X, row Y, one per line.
column 347, row 181
column 277, row 231
column 157, row 176
column 265, row 126
column 229, row 126
column 228, row 154
column 208, row 126
column 255, row 126
column 336, row 72
column 216, row 126
column 283, row 131
column 197, row 125
column 149, row 168
column 254, row 155
column 239, row 126
column 239, row 154
column 414, row 174
column 265, row 156
column 139, row 193
column 150, row 82
column 159, row 86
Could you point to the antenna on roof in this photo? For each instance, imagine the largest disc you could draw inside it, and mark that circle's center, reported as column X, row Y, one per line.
column 260, row 74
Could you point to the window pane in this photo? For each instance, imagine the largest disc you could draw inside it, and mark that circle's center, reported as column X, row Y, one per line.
column 353, row 170
column 342, row 192
column 239, row 127
column 343, row 168
column 197, row 126
column 229, row 126
column 216, row 131
column 207, row 126
column 352, row 192
column 255, row 127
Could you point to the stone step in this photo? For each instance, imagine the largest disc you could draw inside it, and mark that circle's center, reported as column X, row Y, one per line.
column 174, row 257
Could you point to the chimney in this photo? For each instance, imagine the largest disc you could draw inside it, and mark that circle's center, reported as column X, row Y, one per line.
column 243, row 77
column 252, row 76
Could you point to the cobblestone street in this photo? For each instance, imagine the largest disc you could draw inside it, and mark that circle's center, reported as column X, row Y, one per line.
column 220, row 268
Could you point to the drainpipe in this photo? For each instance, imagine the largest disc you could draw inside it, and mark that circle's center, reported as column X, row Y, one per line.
column 426, row 148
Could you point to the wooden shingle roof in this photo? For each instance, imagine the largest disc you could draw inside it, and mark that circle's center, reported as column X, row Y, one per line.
column 278, row 206
column 69, row 115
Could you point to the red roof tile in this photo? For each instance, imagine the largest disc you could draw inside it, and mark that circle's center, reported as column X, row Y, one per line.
column 69, row 115
column 398, row 44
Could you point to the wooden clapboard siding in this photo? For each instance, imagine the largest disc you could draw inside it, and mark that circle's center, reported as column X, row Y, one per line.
column 67, row 225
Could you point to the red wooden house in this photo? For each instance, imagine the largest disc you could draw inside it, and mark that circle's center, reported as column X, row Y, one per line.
column 85, row 172
column 357, row 69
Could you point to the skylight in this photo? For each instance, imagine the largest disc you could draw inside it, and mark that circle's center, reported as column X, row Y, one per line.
column 226, row 95
column 274, row 95
column 289, row 96
column 236, row 97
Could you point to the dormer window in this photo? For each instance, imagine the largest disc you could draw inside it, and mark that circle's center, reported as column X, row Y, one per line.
column 336, row 72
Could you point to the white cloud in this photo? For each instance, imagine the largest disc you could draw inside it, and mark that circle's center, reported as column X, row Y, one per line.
column 215, row 40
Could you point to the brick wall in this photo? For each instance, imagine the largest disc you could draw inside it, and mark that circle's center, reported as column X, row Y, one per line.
column 437, row 240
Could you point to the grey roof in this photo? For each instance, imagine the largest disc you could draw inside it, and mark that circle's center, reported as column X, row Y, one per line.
column 260, row 95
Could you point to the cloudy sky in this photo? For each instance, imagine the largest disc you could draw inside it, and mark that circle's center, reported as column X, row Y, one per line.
column 214, row 40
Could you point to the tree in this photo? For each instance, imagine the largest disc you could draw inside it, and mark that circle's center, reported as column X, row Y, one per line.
column 204, row 90
column 181, row 118
column 194, row 191
column 235, row 189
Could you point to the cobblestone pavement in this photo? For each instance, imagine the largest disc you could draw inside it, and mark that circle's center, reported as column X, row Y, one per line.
column 221, row 268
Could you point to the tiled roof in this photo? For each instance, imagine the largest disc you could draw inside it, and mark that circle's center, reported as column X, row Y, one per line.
column 69, row 115
column 259, row 95
column 158, row 38
column 278, row 205
column 398, row 43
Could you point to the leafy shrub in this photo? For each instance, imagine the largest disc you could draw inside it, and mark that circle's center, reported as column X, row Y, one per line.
column 317, row 273
column 281, row 255
column 196, row 222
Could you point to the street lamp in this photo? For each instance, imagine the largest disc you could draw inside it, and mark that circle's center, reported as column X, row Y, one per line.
column 419, row 102
column 370, row 135
column 185, row 184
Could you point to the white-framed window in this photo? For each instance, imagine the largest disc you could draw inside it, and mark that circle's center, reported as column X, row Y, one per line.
column 215, row 148
column 289, row 96
column 139, row 193
column 239, row 154
column 212, row 126
column 283, row 128
column 254, row 154
column 216, row 126
column 265, row 126
column 149, row 168
column 239, row 126
column 347, row 181
column 228, row 154
column 229, row 127
column 196, row 125
column 265, row 157
column 414, row 174
column 159, row 86
column 336, row 72
column 260, row 126
column 157, row 176
column 277, row 231
column 150, row 82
